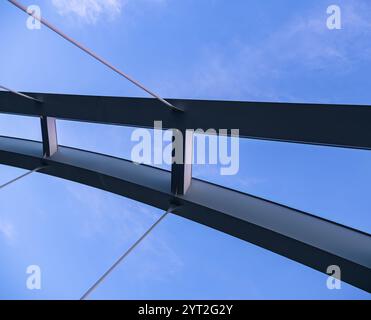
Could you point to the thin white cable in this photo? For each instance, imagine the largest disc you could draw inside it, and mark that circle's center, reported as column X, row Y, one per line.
column 127, row 252
column 19, row 94
column 20, row 177
column 92, row 54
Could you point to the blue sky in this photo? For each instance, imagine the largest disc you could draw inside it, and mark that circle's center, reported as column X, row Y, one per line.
column 211, row 49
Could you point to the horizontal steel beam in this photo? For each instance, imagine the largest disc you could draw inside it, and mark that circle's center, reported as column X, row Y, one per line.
column 299, row 236
column 333, row 125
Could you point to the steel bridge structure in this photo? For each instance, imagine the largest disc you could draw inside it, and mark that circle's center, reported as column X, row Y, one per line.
column 299, row 236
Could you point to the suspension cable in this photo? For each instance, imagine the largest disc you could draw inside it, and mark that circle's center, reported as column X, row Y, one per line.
column 20, row 94
column 126, row 253
column 20, row 177
column 92, row 54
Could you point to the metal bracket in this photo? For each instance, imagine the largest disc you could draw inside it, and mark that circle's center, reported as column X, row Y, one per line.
column 49, row 136
column 181, row 169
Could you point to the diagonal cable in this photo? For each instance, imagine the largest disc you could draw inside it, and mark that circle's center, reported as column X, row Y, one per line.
column 20, row 177
column 126, row 253
column 19, row 94
column 92, row 54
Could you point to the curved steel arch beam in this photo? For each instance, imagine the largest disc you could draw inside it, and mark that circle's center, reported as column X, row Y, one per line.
column 299, row 236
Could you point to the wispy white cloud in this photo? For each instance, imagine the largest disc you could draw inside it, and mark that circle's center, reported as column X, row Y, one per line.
column 7, row 230
column 302, row 45
column 90, row 10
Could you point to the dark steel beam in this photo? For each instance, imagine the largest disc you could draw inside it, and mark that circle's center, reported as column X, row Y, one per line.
column 333, row 125
column 299, row 236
